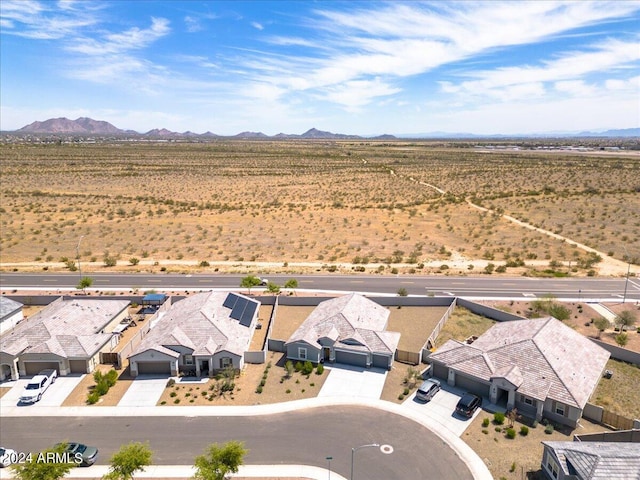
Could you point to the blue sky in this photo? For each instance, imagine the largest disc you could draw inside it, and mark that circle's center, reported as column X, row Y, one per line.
column 356, row 67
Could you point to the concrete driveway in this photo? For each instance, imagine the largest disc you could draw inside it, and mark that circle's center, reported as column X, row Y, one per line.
column 145, row 391
column 53, row 397
column 350, row 381
column 442, row 408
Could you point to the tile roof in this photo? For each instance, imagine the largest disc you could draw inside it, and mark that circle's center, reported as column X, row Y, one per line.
column 598, row 460
column 553, row 360
column 352, row 322
column 67, row 328
column 8, row 306
column 201, row 323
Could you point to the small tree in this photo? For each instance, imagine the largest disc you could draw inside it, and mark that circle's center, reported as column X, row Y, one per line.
column 622, row 339
column 134, row 261
column 411, row 377
column 131, row 458
column 512, row 415
column 249, row 282
column 625, row 319
column 220, row 460
column 288, row 368
column 273, row 288
column 84, row 283
column 601, row 324
column 402, row 292
column 291, row 284
column 38, row 468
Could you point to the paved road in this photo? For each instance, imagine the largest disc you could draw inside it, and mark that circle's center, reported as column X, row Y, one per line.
column 472, row 287
column 297, row 437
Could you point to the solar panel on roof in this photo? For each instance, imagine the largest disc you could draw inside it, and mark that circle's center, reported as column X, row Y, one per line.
column 238, row 308
column 230, row 301
column 248, row 313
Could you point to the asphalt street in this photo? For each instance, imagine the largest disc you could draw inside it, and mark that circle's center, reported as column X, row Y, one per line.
column 583, row 289
column 296, row 437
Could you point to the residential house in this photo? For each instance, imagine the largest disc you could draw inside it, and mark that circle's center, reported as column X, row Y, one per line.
column 348, row 329
column 203, row 333
column 67, row 335
column 541, row 367
column 10, row 313
column 591, row 460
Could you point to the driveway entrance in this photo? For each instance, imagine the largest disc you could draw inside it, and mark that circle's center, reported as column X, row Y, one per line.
column 350, row 381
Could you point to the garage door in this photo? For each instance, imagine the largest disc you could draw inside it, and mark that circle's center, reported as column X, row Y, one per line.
column 471, row 385
column 351, row 358
column 33, row 368
column 154, row 368
column 381, row 361
column 78, row 366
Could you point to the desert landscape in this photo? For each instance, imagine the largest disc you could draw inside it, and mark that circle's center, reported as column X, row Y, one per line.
column 303, row 206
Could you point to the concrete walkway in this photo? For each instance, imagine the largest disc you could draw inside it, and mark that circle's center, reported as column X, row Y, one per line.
column 604, row 311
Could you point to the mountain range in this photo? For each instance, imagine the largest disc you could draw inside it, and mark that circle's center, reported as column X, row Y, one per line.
column 88, row 126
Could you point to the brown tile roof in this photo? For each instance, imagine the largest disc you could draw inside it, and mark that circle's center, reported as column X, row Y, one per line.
column 352, row 321
column 201, row 323
column 553, row 360
column 67, row 328
column 598, row 460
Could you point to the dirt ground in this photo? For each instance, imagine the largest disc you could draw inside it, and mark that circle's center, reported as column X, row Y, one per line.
column 513, row 458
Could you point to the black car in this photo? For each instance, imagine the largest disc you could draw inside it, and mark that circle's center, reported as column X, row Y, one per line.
column 468, row 404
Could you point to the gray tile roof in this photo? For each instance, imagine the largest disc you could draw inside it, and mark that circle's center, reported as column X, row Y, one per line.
column 67, row 328
column 8, row 306
column 352, row 322
column 598, row 460
column 553, row 360
column 201, row 323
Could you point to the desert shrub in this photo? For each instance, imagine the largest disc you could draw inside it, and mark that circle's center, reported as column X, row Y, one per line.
column 307, row 368
column 548, row 429
column 498, row 429
column 498, row 418
column 319, row 369
column 524, row 430
column 298, row 366
column 259, row 389
column 170, row 383
column 93, row 397
column 511, row 433
column 406, row 391
column 102, row 387
column 111, row 377
column 204, row 263
column 485, row 422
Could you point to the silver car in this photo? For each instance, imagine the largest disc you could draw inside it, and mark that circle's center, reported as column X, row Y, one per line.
column 428, row 389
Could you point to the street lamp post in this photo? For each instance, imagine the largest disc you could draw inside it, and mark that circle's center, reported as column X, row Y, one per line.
column 626, row 282
column 328, row 459
column 78, row 255
column 355, row 449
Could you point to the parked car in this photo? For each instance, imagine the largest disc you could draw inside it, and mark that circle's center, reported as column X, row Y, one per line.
column 81, row 454
column 38, row 385
column 428, row 389
column 263, row 281
column 7, row 456
column 468, row 404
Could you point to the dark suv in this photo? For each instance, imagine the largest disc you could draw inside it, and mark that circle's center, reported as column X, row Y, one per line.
column 468, row 404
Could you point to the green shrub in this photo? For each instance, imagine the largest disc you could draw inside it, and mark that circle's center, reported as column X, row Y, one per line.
column 262, row 382
column 259, row 389
column 111, row 377
column 485, row 431
column 173, row 394
column 511, row 433
column 524, row 430
column 498, row 429
column 307, row 368
column 498, row 418
column 102, row 387
column 548, row 429
column 513, row 467
column 319, row 369
column 298, row 366
column 93, row 397
column 170, row 383
column 485, row 422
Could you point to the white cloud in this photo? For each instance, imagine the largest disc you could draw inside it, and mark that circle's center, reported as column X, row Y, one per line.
column 257, row 26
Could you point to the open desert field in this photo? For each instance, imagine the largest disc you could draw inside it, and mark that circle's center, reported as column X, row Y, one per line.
column 386, row 207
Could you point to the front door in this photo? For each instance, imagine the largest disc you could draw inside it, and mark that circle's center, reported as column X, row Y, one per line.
column 204, row 367
column 327, row 354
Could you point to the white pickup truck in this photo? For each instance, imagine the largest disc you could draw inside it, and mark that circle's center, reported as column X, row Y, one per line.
column 38, row 385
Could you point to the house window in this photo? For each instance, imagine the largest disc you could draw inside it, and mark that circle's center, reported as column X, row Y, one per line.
column 527, row 401
column 552, row 466
column 302, row 353
column 188, row 359
column 560, row 409
column 226, row 362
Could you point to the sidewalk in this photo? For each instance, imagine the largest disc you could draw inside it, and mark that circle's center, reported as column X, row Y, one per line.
column 281, row 472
